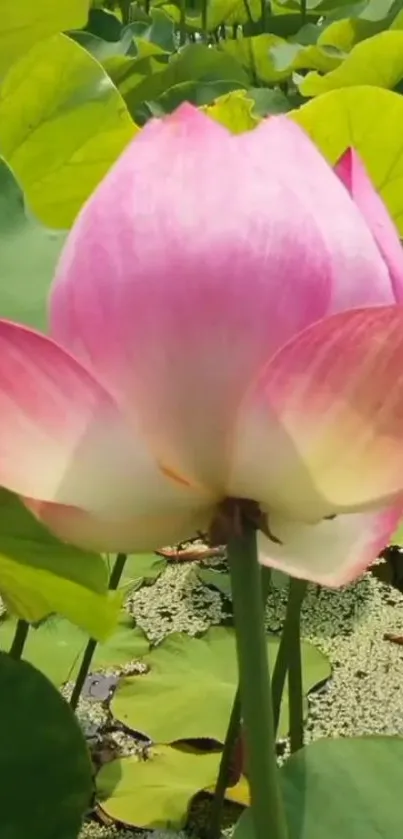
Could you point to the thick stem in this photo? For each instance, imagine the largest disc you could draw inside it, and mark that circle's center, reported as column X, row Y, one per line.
column 254, row 679
column 21, row 634
column 296, row 595
column 232, row 736
column 289, row 645
column 233, row 733
column 114, row 580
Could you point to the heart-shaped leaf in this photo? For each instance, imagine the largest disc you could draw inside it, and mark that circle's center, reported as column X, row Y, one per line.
column 189, row 689
column 155, row 793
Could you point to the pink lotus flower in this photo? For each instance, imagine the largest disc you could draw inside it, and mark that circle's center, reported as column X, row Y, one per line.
column 224, row 324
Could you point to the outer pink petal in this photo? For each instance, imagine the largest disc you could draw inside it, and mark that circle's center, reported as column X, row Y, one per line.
column 332, row 552
column 352, row 172
column 321, row 429
column 63, row 440
column 195, row 259
column 130, row 534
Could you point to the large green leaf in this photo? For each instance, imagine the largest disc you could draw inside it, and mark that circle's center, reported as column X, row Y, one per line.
column 62, row 125
column 198, row 93
column 189, row 689
column 377, row 61
column 24, row 23
column 345, row 34
column 155, row 793
column 157, row 27
column 56, row 646
column 346, row 117
column 349, row 788
column 146, row 79
column 297, row 56
column 46, row 773
column 40, row 575
column 29, row 253
column 263, row 57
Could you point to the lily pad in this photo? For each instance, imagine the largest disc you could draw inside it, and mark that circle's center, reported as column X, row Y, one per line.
column 155, row 793
column 189, row 689
column 46, row 773
column 142, row 569
column 56, row 647
column 347, row 787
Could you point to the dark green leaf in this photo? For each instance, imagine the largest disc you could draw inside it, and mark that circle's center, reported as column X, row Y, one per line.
column 46, row 774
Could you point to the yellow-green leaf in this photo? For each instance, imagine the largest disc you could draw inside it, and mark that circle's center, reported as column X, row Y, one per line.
column 235, row 111
column 369, row 119
column 40, row 575
column 261, row 56
column 25, row 22
column 376, row 61
column 62, row 125
column 34, row 593
column 345, row 34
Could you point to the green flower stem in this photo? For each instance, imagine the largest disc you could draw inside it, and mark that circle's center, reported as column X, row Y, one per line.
column 21, row 634
column 289, row 659
column 114, row 581
column 233, row 733
column 296, row 595
column 254, row 680
column 303, row 8
column 213, row 830
column 182, row 23
column 204, row 20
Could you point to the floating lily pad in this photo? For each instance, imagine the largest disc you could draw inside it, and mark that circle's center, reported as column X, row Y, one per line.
column 46, row 773
column 56, row 647
column 141, row 569
column 155, row 793
column 189, row 689
column 347, row 787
